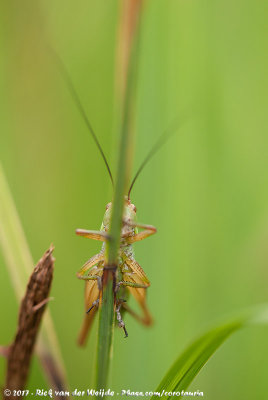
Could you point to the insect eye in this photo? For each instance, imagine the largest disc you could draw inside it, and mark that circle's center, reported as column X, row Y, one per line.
column 108, row 206
column 134, row 208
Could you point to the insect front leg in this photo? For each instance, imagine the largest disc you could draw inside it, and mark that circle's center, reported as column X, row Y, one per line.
column 148, row 231
column 95, row 235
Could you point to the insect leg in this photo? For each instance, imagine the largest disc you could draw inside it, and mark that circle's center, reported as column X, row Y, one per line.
column 90, row 263
column 121, row 323
column 90, row 277
column 143, row 319
column 131, row 284
column 95, row 235
column 94, row 304
column 148, row 231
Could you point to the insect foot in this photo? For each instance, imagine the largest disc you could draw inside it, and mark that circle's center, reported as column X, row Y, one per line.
column 94, row 304
column 117, row 287
column 121, row 323
column 99, row 281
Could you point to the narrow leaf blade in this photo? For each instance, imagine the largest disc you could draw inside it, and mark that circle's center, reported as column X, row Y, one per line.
column 195, row 356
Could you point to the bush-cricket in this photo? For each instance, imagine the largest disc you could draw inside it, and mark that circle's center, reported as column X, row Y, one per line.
column 129, row 274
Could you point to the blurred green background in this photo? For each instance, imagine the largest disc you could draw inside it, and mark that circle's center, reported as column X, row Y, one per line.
column 206, row 191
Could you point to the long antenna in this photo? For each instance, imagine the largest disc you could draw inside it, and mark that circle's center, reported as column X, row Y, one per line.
column 78, row 103
column 160, row 142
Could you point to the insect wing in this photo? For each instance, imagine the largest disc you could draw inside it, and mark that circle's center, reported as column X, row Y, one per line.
column 92, row 294
column 137, row 276
column 138, row 271
column 140, row 295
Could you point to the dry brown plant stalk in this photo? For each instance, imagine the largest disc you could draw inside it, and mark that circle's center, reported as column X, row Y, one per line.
column 31, row 311
column 130, row 14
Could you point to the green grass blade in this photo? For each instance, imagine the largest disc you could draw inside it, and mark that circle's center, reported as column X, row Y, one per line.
column 20, row 265
column 190, row 362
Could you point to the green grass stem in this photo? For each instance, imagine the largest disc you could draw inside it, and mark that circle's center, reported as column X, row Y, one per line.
column 106, row 320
